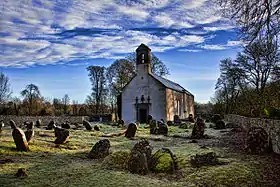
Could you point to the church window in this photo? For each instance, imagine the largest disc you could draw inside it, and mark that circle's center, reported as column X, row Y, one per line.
column 143, row 58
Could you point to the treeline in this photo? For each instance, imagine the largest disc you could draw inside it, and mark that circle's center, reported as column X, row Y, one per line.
column 107, row 83
column 249, row 85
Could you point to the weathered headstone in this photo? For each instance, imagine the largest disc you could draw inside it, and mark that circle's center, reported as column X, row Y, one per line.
column 1, row 125
column 21, row 172
column 96, row 128
column 257, row 141
column 65, row 125
column 87, row 125
column 61, row 134
column 153, row 127
column 100, row 149
column 169, row 123
column 162, row 128
column 220, row 124
column 19, row 137
column 140, row 157
column 38, row 123
column 164, row 161
column 190, row 118
column 121, row 122
column 176, row 120
column 131, row 130
column 29, row 133
column 198, row 129
column 50, row 125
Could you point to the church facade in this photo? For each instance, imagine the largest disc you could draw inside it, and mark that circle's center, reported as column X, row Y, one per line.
column 149, row 94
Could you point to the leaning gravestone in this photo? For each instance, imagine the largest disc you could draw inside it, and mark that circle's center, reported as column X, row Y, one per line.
column 164, row 161
column 62, row 135
column 29, row 133
column 198, row 129
column 100, row 149
column 19, row 137
column 205, row 159
column 140, row 157
column 87, row 125
column 131, row 130
column 162, row 128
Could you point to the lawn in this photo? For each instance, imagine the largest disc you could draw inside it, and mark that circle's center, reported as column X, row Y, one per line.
column 68, row 165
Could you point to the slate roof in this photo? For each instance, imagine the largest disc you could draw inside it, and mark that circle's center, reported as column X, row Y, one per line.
column 169, row 84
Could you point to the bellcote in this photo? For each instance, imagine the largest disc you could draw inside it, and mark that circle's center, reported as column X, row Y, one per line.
column 143, row 56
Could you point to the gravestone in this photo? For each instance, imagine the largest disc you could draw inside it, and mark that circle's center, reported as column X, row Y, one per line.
column 65, row 125
column 140, row 157
column 61, row 134
column 162, row 128
column 1, row 125
column 121, row 122
column 198, row 129
column 29, row 133
column 257, row 141
column 38, row 123
column 176, row 120
column 131, row 130
column 153, row 127
column 19, row 137
column 50, row 125
column 100, row 149
column 190, row 118
column 87, row 125
column 205, row 159
column 96, row 128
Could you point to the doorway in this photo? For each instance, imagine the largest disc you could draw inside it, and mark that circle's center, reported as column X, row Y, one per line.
column 143, row 114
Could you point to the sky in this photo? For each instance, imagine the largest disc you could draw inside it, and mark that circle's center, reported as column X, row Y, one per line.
column 51, row 43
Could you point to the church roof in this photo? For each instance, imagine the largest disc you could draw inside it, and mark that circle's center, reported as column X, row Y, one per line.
column 143, row 46
column 169, row 84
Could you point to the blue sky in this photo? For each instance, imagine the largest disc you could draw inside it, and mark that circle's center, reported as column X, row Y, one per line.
column 50, row 43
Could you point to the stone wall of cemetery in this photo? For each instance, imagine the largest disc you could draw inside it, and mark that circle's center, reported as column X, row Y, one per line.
column 45, row 119
column 272, row 127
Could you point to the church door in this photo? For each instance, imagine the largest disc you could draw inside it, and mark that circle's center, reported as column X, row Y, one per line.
column 143, row 114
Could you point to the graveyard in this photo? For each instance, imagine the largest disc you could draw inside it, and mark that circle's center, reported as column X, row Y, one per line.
column 69, row 164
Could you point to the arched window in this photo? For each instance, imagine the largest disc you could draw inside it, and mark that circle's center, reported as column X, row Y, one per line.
column 143, row 58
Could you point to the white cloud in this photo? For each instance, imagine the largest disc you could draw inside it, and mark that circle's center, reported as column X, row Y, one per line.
column 213, row 47
column 190, row 50
column 33, row 29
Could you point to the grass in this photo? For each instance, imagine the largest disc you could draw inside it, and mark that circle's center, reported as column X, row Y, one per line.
column 68, row 165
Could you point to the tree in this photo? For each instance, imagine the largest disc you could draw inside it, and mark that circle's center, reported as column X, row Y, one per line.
column 5, row 91
column 157, row 66
column 31, row 93
column 256, row 18
column 65, row 101
column 98, row 82
column 228, row 84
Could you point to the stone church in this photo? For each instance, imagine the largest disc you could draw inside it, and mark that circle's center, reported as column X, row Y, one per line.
column 149, row 94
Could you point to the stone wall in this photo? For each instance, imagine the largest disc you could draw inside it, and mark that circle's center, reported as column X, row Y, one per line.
column 45, row 119
column 272, row 127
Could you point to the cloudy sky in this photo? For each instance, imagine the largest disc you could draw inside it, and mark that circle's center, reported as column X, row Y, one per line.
column 50, row 43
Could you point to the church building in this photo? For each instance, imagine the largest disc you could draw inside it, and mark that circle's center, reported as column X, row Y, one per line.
column 149, row 94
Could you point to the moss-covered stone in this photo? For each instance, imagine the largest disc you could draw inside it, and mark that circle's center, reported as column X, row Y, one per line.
column 118, row 160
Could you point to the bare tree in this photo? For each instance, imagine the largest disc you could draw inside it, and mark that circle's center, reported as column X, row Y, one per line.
column 256, row 18
column 65, row 101
column 5, row 91
column 98, row 82
column 31, row 93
